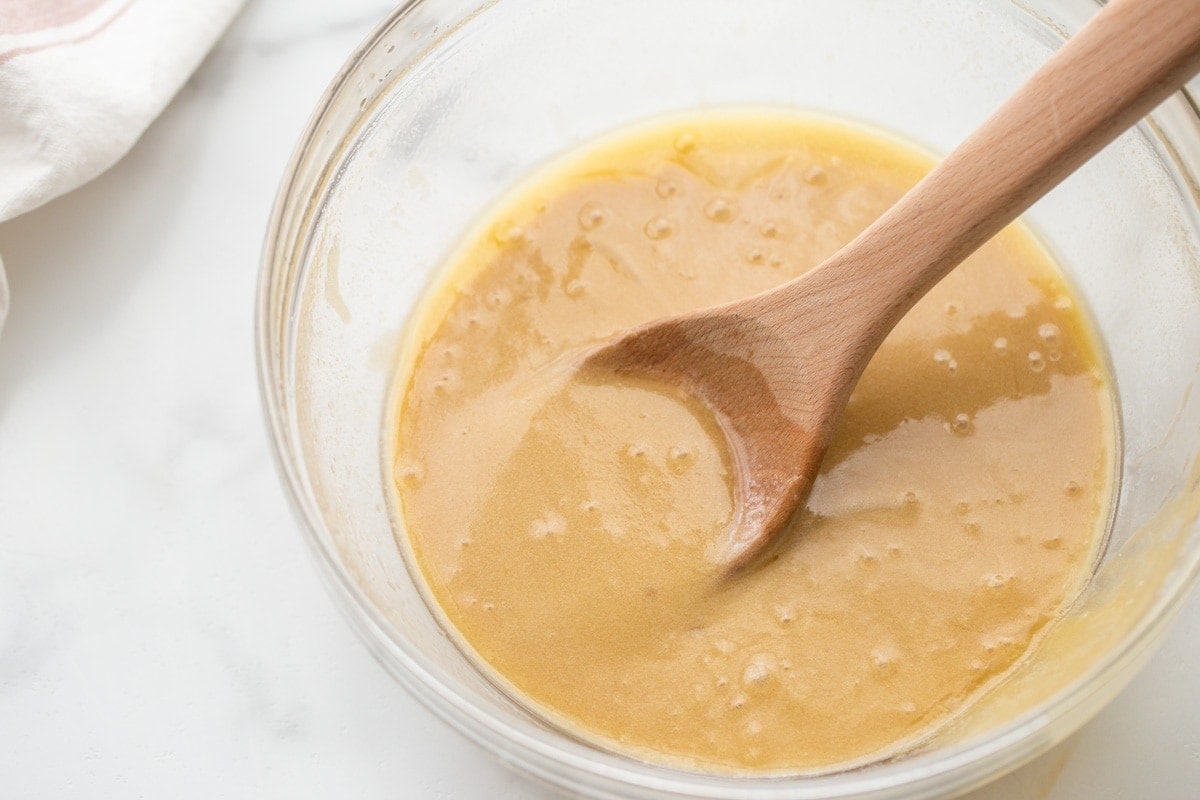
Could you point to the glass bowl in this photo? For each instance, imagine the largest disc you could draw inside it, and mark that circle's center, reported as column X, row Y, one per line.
column 449, row 102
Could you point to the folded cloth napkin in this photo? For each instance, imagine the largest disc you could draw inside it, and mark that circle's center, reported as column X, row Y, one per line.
column 80, row 80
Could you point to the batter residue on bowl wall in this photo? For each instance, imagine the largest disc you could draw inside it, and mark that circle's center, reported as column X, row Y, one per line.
column 562, row 526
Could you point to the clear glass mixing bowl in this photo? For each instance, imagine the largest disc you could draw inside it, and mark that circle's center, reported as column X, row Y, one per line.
column 451, row 101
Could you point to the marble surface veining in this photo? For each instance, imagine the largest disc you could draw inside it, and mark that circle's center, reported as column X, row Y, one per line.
column 162, row 631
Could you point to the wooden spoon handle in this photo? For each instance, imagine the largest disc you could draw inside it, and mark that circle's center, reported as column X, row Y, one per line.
column 1123, row 63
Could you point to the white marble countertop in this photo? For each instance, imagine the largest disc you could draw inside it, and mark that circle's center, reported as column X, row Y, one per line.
column 162, row 631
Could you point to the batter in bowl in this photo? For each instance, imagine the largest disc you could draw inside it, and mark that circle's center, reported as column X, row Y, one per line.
column 565, row 525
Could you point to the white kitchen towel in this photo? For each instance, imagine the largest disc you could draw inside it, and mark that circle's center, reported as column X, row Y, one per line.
column 80, row 80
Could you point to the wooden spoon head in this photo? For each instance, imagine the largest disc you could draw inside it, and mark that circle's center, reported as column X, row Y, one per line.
column 776, row 410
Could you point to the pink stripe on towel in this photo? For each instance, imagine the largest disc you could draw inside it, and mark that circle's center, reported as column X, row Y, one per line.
column 27, row 16
column 66, row 38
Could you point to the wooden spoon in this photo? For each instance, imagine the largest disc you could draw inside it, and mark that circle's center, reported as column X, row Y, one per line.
column 778, row 368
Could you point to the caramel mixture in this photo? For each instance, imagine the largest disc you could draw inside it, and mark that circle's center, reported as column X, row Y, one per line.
column 562, row 525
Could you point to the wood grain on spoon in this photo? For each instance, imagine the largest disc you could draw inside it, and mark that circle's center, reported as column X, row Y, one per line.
column 778, row 368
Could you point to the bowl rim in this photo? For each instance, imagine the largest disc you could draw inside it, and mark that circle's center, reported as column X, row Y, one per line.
column 569, row 764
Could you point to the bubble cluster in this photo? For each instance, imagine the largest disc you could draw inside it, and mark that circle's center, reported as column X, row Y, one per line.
column 883, row 657
column 866, row 557
column 760, row 672
column 592, row 216
column 665, row 188
column 720, row 210
column 944, row 358
column 659, row 228
column 1037, row 361
column 509, row 235
column 552, row 524
column 411, row 472
column 992, row 645
column 680, row 459
column 447, row 382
